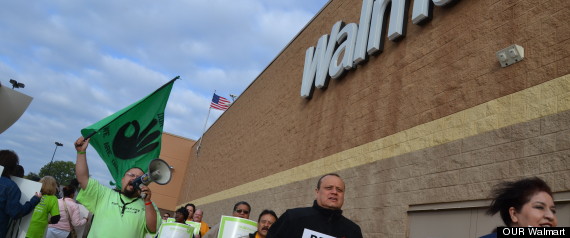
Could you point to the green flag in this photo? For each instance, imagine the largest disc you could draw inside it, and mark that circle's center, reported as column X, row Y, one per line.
column 132, row 136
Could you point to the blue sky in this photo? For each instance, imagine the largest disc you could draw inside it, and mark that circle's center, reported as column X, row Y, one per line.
column 82, row 61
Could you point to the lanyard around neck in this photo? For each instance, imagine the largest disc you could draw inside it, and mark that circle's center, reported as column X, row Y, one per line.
column 125, row 204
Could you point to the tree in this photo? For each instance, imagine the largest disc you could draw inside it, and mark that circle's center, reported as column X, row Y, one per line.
column 62, row 171
column 32, row 176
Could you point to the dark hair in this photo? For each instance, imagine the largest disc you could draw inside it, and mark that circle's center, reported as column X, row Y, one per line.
column 192, row 205
column 74, row 183
column 68, row 191
column 184, row 212
column 515, row 194
column 265, row 212
column 18, row 171
column 240, row 203
column 322, row 177
column 9, row 160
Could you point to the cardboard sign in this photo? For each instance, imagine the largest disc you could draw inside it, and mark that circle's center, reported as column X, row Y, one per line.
column 233, row 227
column 175, row 230
column 314, row 234
column 28, row 189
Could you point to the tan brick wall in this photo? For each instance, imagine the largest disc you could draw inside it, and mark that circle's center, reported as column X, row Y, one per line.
column 432, row 119
column 438, row 69
column 175, row 150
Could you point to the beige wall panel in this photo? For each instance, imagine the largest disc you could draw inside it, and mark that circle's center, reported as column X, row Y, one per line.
column 175, row 151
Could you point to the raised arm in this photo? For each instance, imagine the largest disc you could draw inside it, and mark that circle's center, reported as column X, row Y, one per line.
column 81, row 169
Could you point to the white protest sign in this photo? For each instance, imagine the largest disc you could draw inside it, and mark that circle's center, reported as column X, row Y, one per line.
column 234, row 227
column 175, row 230
column 314, row 234
column 196, row 226
column 28, row 189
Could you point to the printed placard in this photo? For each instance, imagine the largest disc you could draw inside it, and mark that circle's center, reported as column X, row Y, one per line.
column 233, row 227
column 308, row 233
column 175, row 230
column 196, row 226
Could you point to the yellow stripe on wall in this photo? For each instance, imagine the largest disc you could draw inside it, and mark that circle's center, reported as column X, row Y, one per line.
column 546, row 99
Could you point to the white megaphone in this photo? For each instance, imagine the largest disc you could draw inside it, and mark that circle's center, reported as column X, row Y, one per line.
column 158, row 172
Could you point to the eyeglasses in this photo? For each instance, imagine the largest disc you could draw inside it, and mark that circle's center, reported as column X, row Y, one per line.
column 242, row 211
column 131, row 175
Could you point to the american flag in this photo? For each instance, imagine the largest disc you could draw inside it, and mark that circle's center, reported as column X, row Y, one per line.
column 220, row 103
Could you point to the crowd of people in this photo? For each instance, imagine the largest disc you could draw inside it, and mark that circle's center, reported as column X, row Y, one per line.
column 125, row 213
column 50, row 215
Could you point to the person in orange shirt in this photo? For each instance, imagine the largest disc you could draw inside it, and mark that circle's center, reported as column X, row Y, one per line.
column 198, row 218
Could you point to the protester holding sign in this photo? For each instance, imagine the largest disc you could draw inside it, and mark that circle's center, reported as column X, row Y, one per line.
column 165, row 217
column 241, row 209
column 117, row 213
column 324, row 217
column 264, row 222
column 10, row 194
column 204, row 227
column 181, row 215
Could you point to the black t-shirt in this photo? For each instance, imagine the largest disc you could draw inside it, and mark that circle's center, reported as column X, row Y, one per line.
column 330, row 222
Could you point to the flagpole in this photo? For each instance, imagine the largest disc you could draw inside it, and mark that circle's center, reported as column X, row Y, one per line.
column 204, row 130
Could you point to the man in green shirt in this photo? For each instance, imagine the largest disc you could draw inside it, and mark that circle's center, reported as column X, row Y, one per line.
column 117, row 214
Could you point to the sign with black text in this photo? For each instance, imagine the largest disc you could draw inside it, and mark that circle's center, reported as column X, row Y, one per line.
column 307, row 233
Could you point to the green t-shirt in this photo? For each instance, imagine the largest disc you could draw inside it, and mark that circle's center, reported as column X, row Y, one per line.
column 106, row 205
column 39, row 222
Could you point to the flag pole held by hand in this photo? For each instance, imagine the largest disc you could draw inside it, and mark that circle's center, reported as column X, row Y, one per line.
column 89, row 136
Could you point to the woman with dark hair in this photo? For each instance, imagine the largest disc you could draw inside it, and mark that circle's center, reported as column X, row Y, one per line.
column 47, row 206
column 18, row 171
column 70, row 216
column 181, row 215
column 10, row 194
column 523, row 203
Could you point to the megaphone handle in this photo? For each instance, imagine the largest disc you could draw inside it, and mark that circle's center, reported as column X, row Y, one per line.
column 143, row 194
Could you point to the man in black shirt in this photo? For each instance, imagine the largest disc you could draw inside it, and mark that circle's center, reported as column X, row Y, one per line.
column 323, row 218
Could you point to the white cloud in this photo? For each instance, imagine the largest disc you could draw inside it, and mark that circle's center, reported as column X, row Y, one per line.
column 82, row 61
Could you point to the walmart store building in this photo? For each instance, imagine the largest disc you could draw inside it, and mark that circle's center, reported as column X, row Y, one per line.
column 410, row 104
